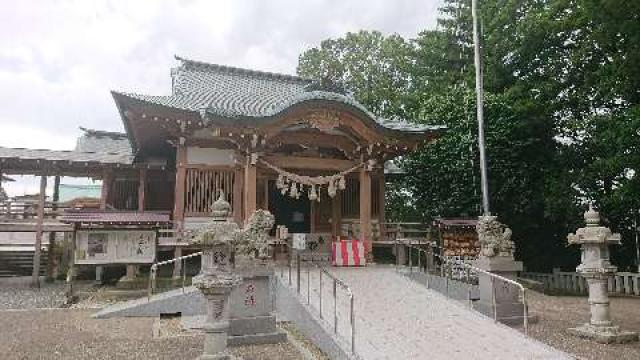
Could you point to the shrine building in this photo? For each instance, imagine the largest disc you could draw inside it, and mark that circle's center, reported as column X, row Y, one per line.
column 308, row 152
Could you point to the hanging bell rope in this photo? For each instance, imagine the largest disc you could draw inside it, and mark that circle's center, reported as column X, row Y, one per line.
column 294, row 184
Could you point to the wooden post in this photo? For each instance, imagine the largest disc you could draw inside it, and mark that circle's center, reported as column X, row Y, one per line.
column 72, row 261
column 141, row 189
column 266, row 193
column 250, row 188
column 381, row 206
column 238, row 189
column 132, row 272
column 51, row 259
column 107, row 179
column 35, row 277
column 365, row 211
column 181, row 173
column 336, row 215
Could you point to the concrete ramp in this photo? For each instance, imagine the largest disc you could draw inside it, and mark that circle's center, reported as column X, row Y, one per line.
column 189, row 302
column 397, row 318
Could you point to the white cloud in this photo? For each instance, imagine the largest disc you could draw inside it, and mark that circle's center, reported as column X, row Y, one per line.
column 59, row 59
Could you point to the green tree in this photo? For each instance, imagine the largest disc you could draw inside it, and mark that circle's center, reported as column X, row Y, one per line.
column 563, row 88
column 371, row 65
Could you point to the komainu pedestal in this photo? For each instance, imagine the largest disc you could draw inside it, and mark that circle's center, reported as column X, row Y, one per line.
column 597, row 269
column 498, row 298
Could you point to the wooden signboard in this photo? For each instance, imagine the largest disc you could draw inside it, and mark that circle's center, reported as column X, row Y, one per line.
column 95, row 247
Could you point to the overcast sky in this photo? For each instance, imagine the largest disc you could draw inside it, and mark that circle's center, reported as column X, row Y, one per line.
column 59, row 59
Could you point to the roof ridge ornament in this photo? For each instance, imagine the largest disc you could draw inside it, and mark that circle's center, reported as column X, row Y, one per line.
column 188, row 63
column 328, row 85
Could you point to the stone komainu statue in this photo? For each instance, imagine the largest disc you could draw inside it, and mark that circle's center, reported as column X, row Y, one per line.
column 494, row 237
column 254, row 237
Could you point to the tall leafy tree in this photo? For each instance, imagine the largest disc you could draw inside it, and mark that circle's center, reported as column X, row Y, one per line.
column 563, row 91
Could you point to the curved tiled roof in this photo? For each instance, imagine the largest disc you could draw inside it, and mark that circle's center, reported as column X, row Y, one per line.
column 66, row 155
column 229, row 92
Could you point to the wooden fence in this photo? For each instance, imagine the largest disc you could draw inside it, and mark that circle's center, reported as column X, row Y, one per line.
column 621, row 283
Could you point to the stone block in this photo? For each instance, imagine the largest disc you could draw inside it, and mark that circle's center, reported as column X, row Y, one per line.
column 604, row 334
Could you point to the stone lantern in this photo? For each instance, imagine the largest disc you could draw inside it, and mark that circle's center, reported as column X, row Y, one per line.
column 217, row 279
column 596, row 267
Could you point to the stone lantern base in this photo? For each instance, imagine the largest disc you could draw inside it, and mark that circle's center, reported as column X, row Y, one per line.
column 604, row 334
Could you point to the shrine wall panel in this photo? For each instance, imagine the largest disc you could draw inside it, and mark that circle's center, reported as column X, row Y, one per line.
column 210, row 156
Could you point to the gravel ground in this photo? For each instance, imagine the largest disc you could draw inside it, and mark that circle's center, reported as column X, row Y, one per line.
column 16, row 293
column 557, row 313
column 93, row 298
column 72, row 334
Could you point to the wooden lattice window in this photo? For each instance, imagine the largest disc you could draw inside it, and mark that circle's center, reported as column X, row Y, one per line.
column 124, row 194
column 201, row 185
column 351, row 199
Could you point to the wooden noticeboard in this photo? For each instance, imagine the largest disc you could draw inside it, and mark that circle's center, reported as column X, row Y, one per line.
column 95, row 247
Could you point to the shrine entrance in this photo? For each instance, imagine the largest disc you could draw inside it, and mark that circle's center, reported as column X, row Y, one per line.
column 293, row 213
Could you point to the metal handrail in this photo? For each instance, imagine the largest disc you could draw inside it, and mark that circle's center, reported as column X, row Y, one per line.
column 323, row 270
column 154, row 268
column 491, row 275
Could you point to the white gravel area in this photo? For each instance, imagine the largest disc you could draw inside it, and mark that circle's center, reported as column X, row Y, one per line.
column 17, row 293
column 557, row 313
column 73, row 334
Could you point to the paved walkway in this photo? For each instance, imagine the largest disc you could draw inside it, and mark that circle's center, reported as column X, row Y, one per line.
column 397, row 318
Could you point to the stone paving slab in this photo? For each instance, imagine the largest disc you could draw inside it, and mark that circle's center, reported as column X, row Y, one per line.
column 397, row 318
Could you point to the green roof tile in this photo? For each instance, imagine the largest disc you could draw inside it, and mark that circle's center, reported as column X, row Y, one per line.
column 217, row 91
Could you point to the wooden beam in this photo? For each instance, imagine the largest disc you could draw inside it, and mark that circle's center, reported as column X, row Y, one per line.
column 365, row 211
column 299, row 162
column 314, row 138
column 142, row 185
column 107, row 179
column 250, row 188
column 51, row 259
column 181, row 173
column 19, row 226
column 35, row 276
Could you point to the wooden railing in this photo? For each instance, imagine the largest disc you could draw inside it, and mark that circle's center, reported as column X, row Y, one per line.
column 389, row 232
column 571, row 282
column 10, row 210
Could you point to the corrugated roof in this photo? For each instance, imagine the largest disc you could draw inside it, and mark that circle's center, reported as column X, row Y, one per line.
column 229, row 92
column 103, row 141
column 65, row 155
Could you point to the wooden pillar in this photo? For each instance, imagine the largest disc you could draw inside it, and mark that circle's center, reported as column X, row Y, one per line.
column 72, row 261
column 365, row 211
column 132, row 272
column 51, row 259
column 238, row 189
column 336, row 215
column 35, row 277
column 181, row 174
column 250, row 188
column 142, row 185
column 381, row 205
column 107, row 180
column 99, row 270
